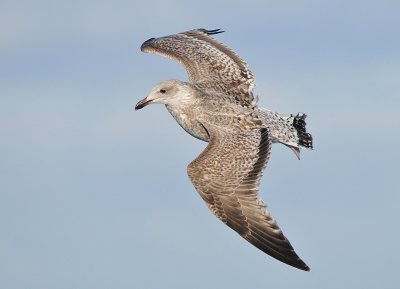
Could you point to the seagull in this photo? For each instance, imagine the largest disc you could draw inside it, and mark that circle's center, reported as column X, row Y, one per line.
column 217, row 105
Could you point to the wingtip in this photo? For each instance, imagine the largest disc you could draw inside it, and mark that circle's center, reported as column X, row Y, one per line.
column 212, row 32
column 305, row 268
column 299, row 264
column 295, row 262
column 146, row 44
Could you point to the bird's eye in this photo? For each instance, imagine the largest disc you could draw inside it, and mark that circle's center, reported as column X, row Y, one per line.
column 163, row 91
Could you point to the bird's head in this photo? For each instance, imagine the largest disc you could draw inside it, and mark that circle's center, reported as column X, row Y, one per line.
column 169, row 92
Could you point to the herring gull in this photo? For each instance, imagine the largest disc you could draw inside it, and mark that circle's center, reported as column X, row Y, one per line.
column 217, row 106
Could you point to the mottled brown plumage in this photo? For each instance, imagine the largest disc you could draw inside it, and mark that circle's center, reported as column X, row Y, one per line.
column 210, row 64
column 218, row 106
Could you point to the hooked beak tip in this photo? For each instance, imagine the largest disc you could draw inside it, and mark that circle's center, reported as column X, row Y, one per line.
column 142, row 103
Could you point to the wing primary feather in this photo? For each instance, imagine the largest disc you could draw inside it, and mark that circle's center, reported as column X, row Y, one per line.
column 212, row 32
column 146, row 43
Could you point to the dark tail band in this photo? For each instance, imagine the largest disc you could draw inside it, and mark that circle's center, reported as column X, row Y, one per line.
column 299, row 123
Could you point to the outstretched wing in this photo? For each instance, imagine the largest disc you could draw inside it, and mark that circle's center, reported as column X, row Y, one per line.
column 209, row 63
column 227, row 175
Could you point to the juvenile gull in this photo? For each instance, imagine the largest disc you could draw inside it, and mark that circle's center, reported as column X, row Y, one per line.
column 217, row 106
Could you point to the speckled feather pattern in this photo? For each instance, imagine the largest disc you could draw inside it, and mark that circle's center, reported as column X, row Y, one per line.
column 210, row 64
column 217, row 106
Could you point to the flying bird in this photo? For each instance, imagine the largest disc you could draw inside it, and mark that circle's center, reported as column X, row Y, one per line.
column 217, row 105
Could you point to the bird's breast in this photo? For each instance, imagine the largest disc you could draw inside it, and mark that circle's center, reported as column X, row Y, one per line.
column 188, row 121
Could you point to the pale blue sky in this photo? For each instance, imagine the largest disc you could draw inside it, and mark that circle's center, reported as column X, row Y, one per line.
column 95, row 195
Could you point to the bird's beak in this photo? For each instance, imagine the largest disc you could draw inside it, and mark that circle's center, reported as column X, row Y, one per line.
column 143, row 103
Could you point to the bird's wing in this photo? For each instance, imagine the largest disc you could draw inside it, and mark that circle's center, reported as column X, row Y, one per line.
column 209, row 63
column 227, row 175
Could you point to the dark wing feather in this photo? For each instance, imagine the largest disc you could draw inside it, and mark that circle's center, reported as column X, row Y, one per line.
column 209, row 63
column 227, row 176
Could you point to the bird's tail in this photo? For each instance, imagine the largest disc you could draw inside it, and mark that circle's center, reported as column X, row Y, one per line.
column 288, row 130
column 305, row 139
